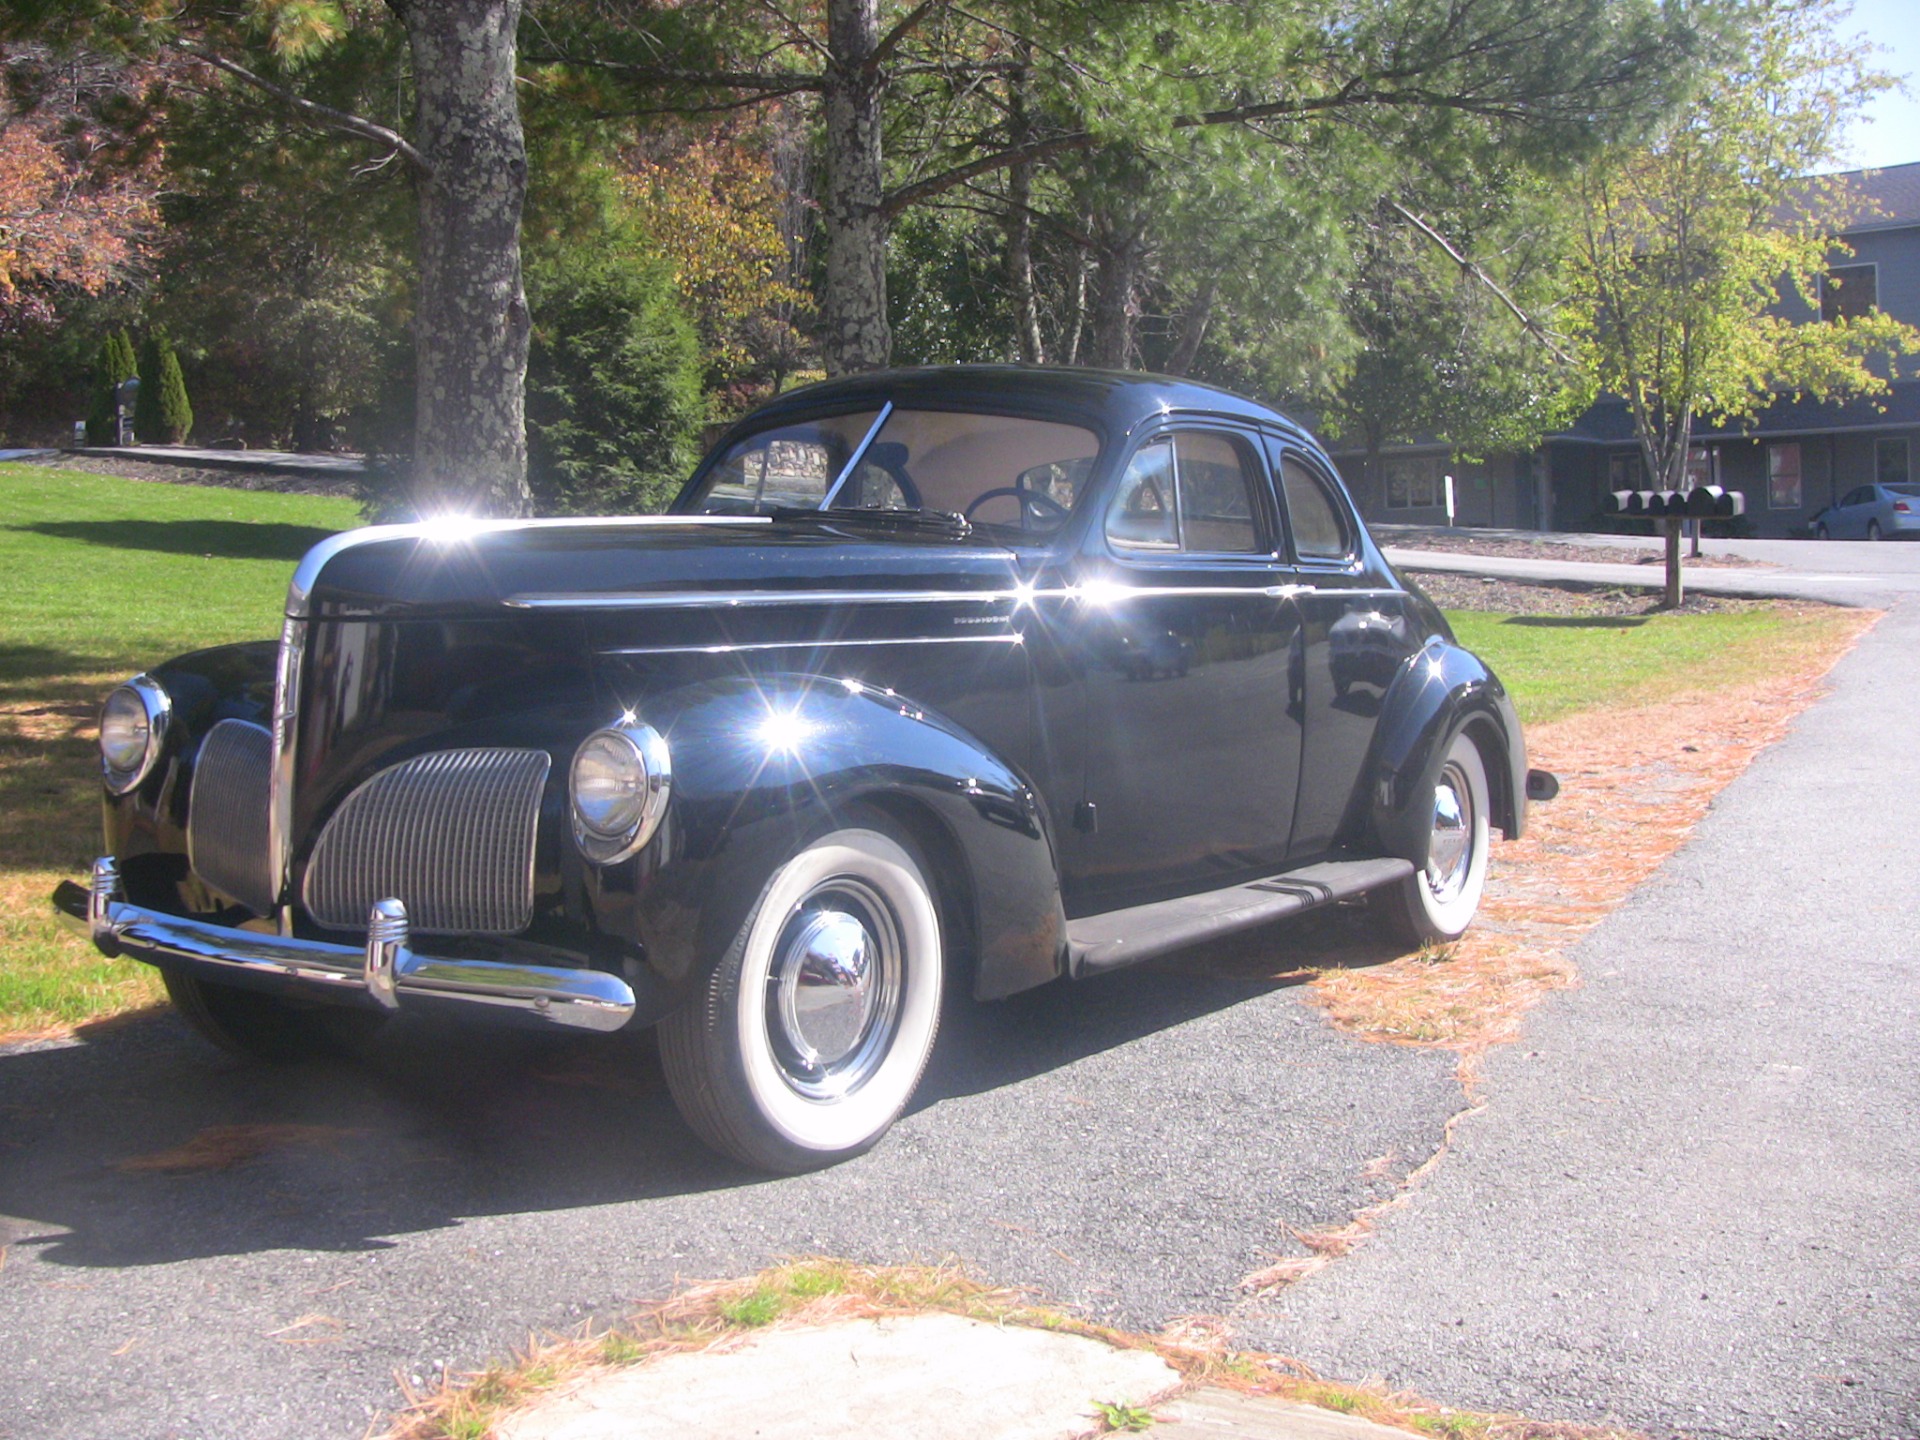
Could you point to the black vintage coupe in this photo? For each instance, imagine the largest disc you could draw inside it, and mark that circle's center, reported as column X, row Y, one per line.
column 971, row 677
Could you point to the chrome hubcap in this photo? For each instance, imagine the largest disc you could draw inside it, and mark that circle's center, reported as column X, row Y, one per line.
column 833, row 990
column 1450, row 848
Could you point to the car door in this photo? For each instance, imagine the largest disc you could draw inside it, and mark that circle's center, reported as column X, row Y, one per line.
column 1853, row 513
column 1183, row 633
column 1355, row 637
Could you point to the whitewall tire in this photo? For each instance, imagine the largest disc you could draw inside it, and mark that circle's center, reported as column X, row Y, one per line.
column 812, row 1033
column 1438, row 902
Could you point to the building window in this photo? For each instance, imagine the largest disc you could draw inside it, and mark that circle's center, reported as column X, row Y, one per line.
column 1700, row 467
column 1783, row 477
column 1849, row 292
column 1890, row 462
column 1413, row 483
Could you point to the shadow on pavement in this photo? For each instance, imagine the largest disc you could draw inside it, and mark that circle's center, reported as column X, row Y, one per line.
column 138, row 1144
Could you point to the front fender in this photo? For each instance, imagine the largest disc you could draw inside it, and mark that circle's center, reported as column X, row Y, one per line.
column 228, row 682
column 763, row 766
column 1441, row 691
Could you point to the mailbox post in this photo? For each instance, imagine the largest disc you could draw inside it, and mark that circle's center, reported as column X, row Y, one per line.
column 1674, row 508
column 125, row 394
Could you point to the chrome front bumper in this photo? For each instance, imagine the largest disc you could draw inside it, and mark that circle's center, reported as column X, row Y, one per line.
column 386, row 974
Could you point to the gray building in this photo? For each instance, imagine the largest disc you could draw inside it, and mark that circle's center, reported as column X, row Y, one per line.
column 1794, row 459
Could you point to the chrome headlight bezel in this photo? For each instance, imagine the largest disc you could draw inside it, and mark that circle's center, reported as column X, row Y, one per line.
column 608, row 838
column 156, row 714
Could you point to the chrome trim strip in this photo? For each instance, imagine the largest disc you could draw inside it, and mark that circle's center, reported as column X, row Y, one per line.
column 300, row 591
column 286, row 709
column 747, row 599
column 815, row 644
column 755, row 599
column 579, row 999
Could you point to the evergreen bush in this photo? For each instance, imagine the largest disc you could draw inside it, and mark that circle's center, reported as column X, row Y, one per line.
column 115, row 363
column 176, row 411
column 146, row 405
column 614, row 401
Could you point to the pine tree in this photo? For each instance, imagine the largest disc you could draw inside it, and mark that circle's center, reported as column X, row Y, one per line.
column 115, row 363
column 147, row 426
column 176, row 413
column 100, row 412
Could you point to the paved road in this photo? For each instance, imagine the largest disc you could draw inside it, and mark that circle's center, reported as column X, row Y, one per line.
column 1691, row 1203
column 1134, row 1145
column 1841, row 572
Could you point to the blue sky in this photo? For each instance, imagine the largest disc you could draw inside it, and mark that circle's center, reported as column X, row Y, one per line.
column 1894, row 136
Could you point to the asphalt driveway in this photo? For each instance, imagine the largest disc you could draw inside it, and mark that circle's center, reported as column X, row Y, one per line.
column 1135, row 1145
column 1690, row 1203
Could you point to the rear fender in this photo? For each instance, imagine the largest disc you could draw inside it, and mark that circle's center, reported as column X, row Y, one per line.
column 763, row 766
column 1442, row 691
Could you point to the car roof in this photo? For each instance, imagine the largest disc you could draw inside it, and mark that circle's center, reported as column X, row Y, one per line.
column 1120, row 399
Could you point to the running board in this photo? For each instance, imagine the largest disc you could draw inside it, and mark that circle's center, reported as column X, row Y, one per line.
column 1122, row 937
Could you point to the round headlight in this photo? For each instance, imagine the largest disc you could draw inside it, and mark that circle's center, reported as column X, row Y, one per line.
column 133, row 723
column 619, row 788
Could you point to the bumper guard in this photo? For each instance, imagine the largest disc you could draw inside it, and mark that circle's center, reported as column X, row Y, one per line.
column 387, row 974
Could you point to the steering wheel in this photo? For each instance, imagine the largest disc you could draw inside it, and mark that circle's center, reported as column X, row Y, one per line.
column 1045, row 508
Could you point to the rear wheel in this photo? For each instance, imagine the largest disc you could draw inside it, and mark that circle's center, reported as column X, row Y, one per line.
column 1873, row 530
column 1437, row 903
column 261, row 1027
column 811, row 1035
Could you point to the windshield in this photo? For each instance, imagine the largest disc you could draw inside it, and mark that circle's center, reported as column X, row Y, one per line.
column 1004, row 471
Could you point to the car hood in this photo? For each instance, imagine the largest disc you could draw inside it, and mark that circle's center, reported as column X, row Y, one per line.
column 420, row 570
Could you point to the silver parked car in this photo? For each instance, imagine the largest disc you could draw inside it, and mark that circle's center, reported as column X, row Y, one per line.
column 1871, row 512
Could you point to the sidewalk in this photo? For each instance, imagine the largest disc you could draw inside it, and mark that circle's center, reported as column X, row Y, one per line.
column 932, row 1376
column 272, row 462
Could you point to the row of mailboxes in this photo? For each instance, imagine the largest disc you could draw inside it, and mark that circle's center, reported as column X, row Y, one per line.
column 1703, row 502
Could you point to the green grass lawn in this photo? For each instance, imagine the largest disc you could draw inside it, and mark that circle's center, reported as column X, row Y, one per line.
column 1555, row 665
column 99, row 578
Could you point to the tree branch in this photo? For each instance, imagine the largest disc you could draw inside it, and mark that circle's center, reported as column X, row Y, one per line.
column 323, row 116
column 890, row 42
column 1532, row 326
column 768, row 85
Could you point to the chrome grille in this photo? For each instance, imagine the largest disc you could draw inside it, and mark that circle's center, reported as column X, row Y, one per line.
column 450, row 834
column 227, row 814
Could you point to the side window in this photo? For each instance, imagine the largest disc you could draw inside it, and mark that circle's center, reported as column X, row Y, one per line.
column 1216, row 503
column 1141, row 516
column 1319, row 531
column 1190, row 493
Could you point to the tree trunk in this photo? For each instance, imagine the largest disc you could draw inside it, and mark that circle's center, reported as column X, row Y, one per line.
column 1082, row 273
column 1020, row 220
column 854, row 332
column 471, row 324
column 1115, row 305
column 1193, row 329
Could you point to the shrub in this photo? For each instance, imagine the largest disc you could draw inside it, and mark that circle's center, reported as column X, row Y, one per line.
column 176, row 411
column 115, row 363
column 613, row 384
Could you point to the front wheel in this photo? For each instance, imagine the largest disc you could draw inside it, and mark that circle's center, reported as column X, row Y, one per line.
column 1437, row 903
column 810, row 1036
column 1820, row 532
